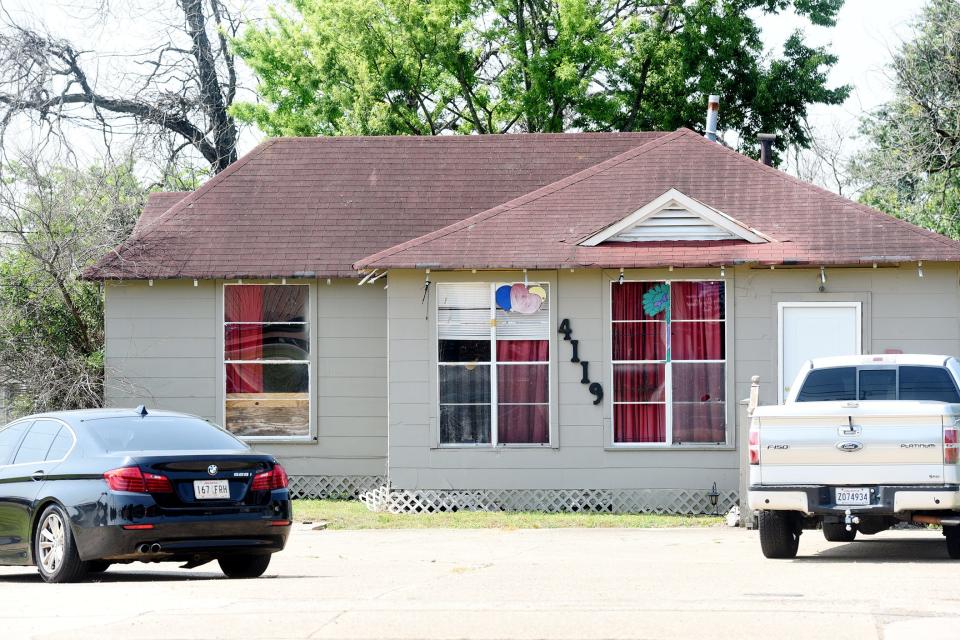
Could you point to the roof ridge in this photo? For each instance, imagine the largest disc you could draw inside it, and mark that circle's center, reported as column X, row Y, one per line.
column 478, row 137
column 842, row 200
column 532, row 196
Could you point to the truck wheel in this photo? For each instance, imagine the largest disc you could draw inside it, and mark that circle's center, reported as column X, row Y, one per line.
column 953, row 542
column 837, row 532
column 779, row 535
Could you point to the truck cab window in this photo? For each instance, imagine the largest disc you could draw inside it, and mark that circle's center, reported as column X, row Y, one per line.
column 878, row 384
column 927, row 383
column 823, row 385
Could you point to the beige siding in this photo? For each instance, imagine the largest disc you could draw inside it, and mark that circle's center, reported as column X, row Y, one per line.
column 900, row 311
column 580, row 456
column 164, row 347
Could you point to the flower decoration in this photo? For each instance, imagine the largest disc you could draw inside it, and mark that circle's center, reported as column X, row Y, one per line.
column 657, row 299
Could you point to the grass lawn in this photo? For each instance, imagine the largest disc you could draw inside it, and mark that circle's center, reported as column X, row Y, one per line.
column 343, row 514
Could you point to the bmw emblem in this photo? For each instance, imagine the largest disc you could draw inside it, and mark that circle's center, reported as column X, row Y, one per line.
column 212, row 470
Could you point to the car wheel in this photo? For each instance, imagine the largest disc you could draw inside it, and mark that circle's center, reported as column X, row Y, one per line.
column 98, row 566
column 54, row 549
column 250, row 566
column 837, row 532
column 779, row 536
column 953, row 542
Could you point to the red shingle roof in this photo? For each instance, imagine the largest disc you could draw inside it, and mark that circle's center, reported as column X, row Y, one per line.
column 542, row 229
column 313, row 206
column 157, row 203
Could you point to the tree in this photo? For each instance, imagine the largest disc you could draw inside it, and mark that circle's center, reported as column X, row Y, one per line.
column 911, row 168
column 54, row 221
column 496, row 66
column 183, row 96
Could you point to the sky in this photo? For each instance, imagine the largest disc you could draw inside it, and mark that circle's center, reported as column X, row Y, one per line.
column 863, row 38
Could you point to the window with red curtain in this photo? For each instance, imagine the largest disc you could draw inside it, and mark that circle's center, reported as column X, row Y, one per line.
column 266, row 360
column 669, row 362
column 494, row 371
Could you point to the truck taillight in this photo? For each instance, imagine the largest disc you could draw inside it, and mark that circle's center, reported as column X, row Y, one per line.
column 950, row 445
column 754, row 445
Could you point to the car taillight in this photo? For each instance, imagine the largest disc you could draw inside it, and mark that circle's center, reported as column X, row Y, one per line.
column 276, row 478
column 133, row 480
column 950, row 445
column 754, row 445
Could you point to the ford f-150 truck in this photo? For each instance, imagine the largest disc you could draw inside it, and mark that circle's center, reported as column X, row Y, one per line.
column 861, row 443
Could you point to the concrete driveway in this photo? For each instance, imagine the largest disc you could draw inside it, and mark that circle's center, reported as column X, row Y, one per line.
column 599, row 583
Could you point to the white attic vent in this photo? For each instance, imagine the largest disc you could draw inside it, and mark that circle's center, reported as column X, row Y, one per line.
column 675, row 216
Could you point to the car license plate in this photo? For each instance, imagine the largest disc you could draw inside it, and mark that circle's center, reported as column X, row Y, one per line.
column 853, row 496
column 211, row 489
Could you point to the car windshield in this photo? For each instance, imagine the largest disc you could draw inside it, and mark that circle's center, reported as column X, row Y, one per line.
column 162, row 433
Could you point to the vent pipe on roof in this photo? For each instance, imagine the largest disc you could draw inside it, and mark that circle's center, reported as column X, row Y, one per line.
column 713, row 112
column 766, row 147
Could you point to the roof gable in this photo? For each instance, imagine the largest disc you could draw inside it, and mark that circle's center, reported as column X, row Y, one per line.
column 677, row 217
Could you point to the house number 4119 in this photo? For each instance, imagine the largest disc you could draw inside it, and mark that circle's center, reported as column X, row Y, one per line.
column 595, row 388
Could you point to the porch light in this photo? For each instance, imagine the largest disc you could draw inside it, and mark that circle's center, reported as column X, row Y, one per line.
column 195, row 282
column 920, row 268
column 823, row 276
column 150, row 282
column 620, row 279
column 714, row 496
column 723, row 271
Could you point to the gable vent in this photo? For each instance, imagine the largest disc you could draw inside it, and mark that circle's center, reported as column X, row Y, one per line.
column 673, row 224
column 675, row 216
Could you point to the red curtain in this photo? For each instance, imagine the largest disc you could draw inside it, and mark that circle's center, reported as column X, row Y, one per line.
column 523, row 392
column 699, row 409
column 639, row 423
column 244, row 303
column 638, row 382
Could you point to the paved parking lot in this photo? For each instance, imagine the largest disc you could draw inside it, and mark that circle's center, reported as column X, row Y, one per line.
column 599, row 583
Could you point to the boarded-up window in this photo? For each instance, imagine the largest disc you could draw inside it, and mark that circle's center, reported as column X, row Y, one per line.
column 669, row 363
column 267, row 360
column 494, row 371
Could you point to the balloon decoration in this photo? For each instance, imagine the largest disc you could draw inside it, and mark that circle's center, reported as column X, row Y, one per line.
column 520, row 298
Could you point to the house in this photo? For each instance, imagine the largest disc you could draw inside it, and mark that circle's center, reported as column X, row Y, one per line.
column 561, row 321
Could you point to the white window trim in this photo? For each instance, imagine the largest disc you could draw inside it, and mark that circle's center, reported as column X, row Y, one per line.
column 311, row 339
column 857, row 305
column 494, row 443
column 668, row 443
column 676, row 198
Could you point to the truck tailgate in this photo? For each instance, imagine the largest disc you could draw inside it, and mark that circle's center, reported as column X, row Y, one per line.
column 870, row 443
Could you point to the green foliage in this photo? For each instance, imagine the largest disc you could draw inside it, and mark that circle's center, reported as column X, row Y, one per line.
column 56, row 221
column 910, row 169
column 378, row 67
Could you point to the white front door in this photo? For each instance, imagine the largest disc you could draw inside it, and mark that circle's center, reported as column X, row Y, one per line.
column 815, row 330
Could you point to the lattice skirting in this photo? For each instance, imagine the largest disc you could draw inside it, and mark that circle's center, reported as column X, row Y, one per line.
column 670, row 501
column 333, row 487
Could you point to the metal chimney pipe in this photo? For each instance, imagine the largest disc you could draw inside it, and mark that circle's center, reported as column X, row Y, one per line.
column 766, row 147
column 713, row 112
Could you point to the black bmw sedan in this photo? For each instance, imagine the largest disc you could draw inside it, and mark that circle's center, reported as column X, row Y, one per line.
column 81, row 490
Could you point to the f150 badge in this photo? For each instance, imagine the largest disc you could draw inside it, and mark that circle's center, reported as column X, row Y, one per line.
column 850, row 447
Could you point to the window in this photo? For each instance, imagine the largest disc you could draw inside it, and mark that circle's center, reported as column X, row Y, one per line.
column 824, row 385
column 61, row 445
column 878, row 384
column 927, row 383
column 37, row 442
column 267, row 360
column 9, row 438
column 494, row 363
column 163, row 434
column 669, row 362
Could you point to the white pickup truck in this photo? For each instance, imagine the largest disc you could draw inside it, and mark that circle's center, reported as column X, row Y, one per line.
column 862, row 443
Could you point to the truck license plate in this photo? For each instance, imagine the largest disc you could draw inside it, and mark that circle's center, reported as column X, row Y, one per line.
column 211, row 489
column 852, row 496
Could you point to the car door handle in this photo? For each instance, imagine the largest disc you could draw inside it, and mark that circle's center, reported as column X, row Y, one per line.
column 38, row 475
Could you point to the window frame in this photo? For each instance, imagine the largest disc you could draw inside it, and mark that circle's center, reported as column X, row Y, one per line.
column 311, row 435
column 493, row 363
column 668, row 444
